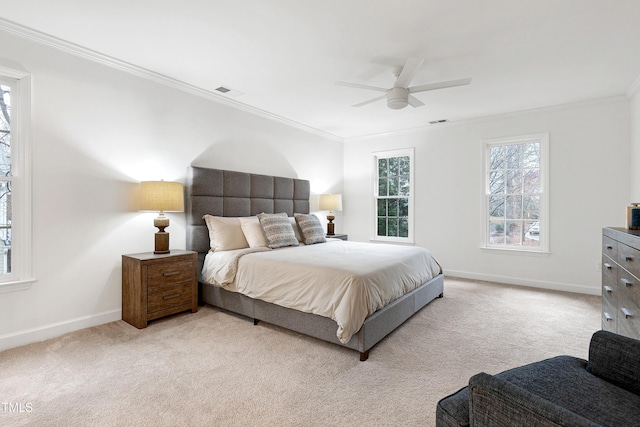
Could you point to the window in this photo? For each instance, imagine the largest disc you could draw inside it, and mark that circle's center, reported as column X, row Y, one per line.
column 516, row 193
column 15, row 187
column 393, row 195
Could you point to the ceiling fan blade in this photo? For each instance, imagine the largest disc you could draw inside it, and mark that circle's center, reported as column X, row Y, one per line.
column 415, row 102
column 359, row 86
column 440, row 85
column 377, row 98
column 408, row 72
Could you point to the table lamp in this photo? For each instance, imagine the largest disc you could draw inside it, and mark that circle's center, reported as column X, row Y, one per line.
column 162, row 196
column 330, row 202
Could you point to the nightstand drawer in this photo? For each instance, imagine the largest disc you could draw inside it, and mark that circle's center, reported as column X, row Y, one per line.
column 169, row 296
column 169, row 273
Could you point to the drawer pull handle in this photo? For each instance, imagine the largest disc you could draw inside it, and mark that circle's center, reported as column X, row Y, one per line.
column 607, row 266
column 171, row 296
column 608, row 289
column 627, row 313
column 609, row 247
column 628, row 258
column 607, row 317
column 626, row 282
column 171, row 273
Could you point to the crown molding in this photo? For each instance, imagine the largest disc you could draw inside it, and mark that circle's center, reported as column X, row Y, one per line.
column 97, row 57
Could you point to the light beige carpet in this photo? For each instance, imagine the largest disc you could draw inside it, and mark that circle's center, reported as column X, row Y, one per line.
column 216, row 369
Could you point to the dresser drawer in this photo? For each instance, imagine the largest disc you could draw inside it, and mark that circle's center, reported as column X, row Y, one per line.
column 609, row 315
column 610, row 247
column 628, row 316
column 169, row 296
column 629, row 284
column 169, row 273
column 610, row 290
column 629, row 259
column 609, row 267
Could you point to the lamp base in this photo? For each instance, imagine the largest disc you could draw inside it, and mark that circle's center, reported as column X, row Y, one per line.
column 162, row 243
column 331, row 225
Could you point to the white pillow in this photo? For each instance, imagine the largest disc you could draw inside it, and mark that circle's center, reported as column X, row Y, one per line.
column 253, row 231
column 296, row 229
column 225, row 233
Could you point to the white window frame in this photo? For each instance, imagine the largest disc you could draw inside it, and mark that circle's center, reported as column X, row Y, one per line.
column 21, row 276
column 543, row 140
column 374, row 205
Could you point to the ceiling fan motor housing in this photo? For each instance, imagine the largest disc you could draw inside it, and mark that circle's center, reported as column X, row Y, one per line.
column 397, row 98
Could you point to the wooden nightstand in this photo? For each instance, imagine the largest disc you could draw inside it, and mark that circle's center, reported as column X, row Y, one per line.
column 339, row 236
column 155, row 286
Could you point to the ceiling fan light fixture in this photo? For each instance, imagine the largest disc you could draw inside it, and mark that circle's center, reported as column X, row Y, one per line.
column 398, row 98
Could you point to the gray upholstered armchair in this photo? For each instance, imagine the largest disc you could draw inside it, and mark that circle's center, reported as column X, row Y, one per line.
column 562, row 391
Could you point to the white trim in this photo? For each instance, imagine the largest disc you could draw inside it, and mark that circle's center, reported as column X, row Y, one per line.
column 374, row 187
column 97, row 57
column 20, row 278
column 19, row 285
column 554, row 286
column 53, row 330
column 543, row 139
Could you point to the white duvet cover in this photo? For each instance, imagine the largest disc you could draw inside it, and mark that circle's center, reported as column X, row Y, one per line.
column 345, row 281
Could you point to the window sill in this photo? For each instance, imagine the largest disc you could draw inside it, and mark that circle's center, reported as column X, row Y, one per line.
column 513, row 251
column 17, row 286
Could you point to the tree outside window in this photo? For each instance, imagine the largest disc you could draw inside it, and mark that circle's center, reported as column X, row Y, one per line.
column 515, row 199
column 393, row 195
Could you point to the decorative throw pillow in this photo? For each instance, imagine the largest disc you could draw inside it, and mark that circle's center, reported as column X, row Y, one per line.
column 225, row 233
column 277, row 230
column 253, row 232
column 312, row 231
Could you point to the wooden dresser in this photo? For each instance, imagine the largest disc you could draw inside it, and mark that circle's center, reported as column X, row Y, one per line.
column 621, row 281
column 154, row 286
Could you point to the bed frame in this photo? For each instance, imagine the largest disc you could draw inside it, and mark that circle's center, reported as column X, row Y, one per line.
column 236, row 194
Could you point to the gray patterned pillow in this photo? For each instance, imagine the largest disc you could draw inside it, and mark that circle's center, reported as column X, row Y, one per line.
column 311, row 229
column 277, row 230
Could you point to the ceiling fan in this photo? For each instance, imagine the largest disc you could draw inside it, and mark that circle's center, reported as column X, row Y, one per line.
column 400, row 95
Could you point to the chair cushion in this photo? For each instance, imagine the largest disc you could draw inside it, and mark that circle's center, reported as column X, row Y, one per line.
column 565, row 382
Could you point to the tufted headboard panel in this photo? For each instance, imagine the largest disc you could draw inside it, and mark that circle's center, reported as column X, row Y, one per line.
column 229, row 193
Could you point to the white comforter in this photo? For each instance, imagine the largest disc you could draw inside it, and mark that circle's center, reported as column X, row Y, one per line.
column 345, row 281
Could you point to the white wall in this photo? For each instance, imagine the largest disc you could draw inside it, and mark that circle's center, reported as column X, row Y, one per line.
column 589, row 189
column 634, row 158
column 96, row 133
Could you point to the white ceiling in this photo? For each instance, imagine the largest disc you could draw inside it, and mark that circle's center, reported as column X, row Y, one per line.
column 285, row 55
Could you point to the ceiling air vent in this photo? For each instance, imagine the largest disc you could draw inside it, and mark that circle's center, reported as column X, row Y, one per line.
column 437, row 122
column 226, row 90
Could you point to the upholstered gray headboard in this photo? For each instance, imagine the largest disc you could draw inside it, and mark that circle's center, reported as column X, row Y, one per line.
column 229, row 193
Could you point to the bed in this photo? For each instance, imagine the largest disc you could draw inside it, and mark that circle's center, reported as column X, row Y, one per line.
column 231, row 196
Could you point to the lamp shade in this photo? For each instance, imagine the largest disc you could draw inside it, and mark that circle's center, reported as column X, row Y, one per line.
column 163, row 196
column 330, row 202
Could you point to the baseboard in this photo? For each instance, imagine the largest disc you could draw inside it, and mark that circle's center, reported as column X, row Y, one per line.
column 53, row 330
column 555, row 286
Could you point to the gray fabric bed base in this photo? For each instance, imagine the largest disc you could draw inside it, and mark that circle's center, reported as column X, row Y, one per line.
column 375, row 327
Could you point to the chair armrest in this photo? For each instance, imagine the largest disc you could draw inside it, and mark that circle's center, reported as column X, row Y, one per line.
column 615, row 359
column 494, row 402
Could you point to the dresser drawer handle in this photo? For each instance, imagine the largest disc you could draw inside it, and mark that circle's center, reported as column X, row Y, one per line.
column 628, row 258
column 166, row 297
column 171, row 273
column 607, row 317
column 609, row 247
column 608, row 289
column 626, row 282
column 627, row 313
column 607, row 266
